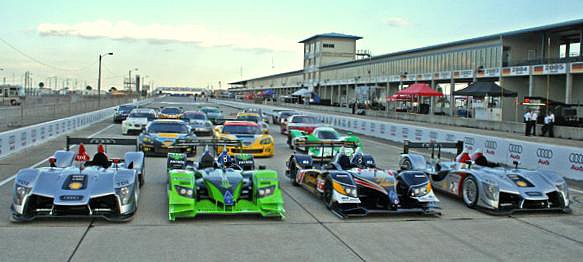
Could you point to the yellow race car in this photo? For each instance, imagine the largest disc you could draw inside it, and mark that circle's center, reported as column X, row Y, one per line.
column 254, row 140
column 170, row 113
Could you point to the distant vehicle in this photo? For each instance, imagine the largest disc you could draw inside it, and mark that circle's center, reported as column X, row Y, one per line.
column 122, row 112
column 97, row 187
column 280, row 115
column 322, row 134
column 213, row 114
column 137, row 120
column 170, row 113
column 253, row 117
column 161, row 136
column 488, row 186
column 198, row 122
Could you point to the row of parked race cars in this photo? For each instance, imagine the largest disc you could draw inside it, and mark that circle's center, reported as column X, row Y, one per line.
column 224, row 178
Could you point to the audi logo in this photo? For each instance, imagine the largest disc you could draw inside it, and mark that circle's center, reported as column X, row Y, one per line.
column 102, row 141
column 491, row 144
column 576, row 158
column 469, row 140
column 544, row 153
column 514, row 148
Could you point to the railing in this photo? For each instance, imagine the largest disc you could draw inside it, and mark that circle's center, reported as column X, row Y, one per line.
column 542, row 61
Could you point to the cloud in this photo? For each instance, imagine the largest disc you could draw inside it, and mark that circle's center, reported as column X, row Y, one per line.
column 165, row 34
column 397, row 22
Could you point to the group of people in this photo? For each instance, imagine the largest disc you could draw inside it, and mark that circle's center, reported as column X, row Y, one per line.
column 531, row 117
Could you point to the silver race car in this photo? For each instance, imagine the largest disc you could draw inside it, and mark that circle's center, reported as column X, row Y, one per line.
column 74, row 185
column 486, row 185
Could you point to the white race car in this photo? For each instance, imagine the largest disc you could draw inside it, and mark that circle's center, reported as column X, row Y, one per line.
column 137, row 120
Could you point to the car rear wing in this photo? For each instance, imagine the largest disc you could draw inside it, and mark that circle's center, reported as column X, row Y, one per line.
column 211, row 142
column 327, row 144
column 459, row 146
column 101, row 141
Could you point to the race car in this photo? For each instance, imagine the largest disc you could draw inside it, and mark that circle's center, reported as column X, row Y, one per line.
column 221, row 185
column 302, row 123
column 355, row 186
column 170, row 113
column 137, row 120
column 122, row 112
column 254, row 140
column 281, row 115
column 488, row 186
column 213, row 114
column 253, row 117
column 322, row 134
column 198, row 122
column 160, row 137
column 75, row 185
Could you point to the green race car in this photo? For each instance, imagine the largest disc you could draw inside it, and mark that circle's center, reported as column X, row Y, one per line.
column 221, row 185
column 322, row 134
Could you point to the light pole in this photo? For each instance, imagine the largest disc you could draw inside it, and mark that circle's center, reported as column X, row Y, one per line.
column 99, row 79
column 143, row 80
column 4, row 78
column 130, row 80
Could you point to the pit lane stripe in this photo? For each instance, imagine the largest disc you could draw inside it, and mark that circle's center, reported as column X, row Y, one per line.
column 5, row 181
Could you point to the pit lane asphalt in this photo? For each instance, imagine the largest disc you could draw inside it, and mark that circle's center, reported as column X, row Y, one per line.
column 309, row 233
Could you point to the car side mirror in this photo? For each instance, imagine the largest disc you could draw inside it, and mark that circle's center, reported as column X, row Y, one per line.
column 515, row 163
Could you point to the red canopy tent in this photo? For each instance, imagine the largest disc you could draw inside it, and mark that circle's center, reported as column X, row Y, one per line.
column 419, row 89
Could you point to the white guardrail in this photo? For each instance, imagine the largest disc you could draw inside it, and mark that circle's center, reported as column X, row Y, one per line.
column 15, row 140
column 567, row 161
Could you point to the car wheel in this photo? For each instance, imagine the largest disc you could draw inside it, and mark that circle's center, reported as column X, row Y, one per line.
column 470, row 191
column 327, row 195
column 137, row 194
column 406, row 164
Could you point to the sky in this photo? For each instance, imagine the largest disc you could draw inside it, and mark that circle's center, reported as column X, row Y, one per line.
column 204, row 43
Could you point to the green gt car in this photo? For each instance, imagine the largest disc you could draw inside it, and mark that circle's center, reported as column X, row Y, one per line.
column 322, row 134
column 221, row 185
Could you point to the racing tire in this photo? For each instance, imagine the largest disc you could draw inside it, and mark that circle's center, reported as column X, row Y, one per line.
column 406, row 164
column 470, row 192
column 327, row 195
column 293, row 173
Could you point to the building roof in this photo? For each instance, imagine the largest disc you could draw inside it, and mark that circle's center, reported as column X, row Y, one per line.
column 466, row 41
column 331, row 35
column 242, row 82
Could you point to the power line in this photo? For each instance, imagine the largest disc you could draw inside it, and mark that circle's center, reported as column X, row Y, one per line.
column 42, row 63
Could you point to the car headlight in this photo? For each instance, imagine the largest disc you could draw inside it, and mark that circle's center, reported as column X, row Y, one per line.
column 20, row 192
column 184, row 191
column 266, row 191
column 266, row 141
column 491, row 190
column 148, row 140
column 345, row 189
column 420, row 190
column 124, row 194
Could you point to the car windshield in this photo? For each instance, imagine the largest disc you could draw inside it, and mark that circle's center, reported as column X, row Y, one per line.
column 210, row 110
column 328, row 134
column 248, row 118
column 149, row 116
column 305, row 120
column 170, row 111
column 287, row 114
column 167, row 128
column 125, row 109
column 195, row 116
column 236, row 129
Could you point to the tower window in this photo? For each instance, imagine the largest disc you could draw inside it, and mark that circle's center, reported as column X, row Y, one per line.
column 328, row 45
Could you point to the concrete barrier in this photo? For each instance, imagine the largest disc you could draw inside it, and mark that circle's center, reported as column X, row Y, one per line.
column 18, row 139
column 567, row 161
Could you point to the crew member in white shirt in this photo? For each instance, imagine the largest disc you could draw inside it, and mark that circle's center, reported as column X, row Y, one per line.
column 527, row 120
column 549, row 124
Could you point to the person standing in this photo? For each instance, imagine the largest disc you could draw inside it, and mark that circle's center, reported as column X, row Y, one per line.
column 533, row 118
column 528, row 127
column 549, row 126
